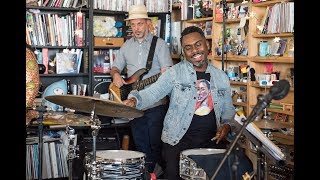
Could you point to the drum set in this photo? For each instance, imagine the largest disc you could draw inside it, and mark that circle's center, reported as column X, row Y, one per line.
column 102, row 164
column 124, row 164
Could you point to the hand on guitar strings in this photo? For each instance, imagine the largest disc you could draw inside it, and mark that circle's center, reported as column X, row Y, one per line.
column 118, row 80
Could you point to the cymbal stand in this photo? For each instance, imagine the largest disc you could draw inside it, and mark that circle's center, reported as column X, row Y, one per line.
column 41, row 110
column 94, row 174
column 72, row 148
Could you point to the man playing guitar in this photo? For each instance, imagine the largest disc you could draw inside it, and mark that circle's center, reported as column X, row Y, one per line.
column 133, row 56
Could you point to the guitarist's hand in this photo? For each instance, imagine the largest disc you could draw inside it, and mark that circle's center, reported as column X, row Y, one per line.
column 130, row 102
column 118, row 80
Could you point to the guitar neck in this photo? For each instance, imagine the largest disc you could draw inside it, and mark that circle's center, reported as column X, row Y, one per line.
column 145, row 82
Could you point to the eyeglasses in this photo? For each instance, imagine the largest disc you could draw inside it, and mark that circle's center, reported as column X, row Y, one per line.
column 190, row 48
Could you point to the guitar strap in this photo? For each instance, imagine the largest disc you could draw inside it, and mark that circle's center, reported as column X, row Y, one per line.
column 151, row 52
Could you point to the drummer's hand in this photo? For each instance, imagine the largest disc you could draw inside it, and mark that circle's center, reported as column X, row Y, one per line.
column 222, row 132
column 130, row 102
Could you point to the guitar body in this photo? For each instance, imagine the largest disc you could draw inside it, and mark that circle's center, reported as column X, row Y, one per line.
column 134, row 82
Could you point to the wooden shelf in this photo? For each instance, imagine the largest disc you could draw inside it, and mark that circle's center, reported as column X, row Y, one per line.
column 244, row 104
column 290, row 113
column 268, row 87
column 176, row 6
column 283, row 139
column 268, row 3
column 238, row 83
column 229, row 21
column 232, row 58
column 273, row 59
column 199, row 20
column 272, row 35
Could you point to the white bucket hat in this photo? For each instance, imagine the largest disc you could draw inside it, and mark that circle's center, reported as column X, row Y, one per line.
column 137, row 12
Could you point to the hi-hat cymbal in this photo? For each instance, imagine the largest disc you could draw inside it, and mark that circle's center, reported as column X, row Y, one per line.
column 99, row 106
column 63, row 118
column 270, row 124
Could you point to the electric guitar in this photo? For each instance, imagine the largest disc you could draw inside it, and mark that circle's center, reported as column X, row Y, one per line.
column 134, row 82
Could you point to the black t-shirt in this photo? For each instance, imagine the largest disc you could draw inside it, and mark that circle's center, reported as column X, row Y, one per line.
column 203, row 126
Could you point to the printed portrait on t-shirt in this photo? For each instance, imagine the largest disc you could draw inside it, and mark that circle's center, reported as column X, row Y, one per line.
column 204, row 103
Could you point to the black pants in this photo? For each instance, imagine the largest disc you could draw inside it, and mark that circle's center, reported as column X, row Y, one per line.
column 146, row 132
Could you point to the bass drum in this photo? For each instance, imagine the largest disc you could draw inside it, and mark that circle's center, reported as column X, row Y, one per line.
column 115, row 164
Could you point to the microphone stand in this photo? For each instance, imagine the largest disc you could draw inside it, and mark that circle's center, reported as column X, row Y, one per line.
column 224, row 17
column 255, row 112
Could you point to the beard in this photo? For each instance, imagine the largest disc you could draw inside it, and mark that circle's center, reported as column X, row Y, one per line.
column 200, row 63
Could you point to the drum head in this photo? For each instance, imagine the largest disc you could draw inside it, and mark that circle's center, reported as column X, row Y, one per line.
column 118, row 156
column 201, row 151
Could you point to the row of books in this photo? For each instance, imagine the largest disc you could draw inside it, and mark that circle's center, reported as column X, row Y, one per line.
column 233, row 11
column 57, row 3
column 53, row 29
column 103, row 60
column 60, row 61
column 278, row 18
column 54, row 160
column 124, row 5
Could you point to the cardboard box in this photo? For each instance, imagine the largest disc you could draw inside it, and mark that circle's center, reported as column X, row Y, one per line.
column 108, row 41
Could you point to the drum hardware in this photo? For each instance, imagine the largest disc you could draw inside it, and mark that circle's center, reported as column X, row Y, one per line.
column 72, row 148
column 277, row 91
column 95, row 106
column 95, row 130
column 116, row 164
column 41, row 110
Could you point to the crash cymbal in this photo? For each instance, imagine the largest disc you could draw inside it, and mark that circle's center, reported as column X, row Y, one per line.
column 100, row 106
column 270, row 124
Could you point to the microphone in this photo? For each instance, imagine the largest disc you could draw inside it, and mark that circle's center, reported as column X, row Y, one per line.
column 278, row 91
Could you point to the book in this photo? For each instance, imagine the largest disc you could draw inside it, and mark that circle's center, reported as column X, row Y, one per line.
column 208, row 28
column 101, row 62
column 154, row 26
column 66, row 63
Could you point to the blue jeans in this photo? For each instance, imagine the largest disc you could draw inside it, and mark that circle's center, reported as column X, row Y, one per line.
column 146, row 132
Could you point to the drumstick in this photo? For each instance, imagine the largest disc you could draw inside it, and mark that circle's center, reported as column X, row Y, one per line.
column 214, row 138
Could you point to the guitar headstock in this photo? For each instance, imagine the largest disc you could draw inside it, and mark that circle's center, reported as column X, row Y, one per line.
column 115, row 94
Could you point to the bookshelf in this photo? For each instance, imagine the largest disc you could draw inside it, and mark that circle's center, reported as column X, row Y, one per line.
column 236, row 59
column 43, row 32
column 282, row 64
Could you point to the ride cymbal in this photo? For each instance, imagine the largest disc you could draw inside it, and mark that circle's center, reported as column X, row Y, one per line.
column 99, row 106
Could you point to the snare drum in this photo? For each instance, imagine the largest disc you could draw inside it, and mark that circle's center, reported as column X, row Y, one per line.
column 117, row 164
column 201, row 164
column 189, row 169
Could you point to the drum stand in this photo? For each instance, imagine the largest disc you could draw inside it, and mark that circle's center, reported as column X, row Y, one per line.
column 94, row 174
column 41, row 110
column 72, row 148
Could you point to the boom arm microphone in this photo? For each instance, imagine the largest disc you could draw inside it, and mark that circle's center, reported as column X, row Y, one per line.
column 278, row 91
